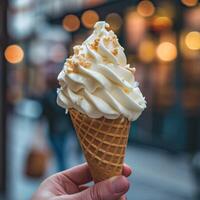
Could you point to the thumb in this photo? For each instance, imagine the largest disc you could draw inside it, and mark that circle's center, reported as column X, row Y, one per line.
column 111, row 189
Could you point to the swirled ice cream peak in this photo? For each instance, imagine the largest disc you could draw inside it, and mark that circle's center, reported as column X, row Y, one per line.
column 97, row 81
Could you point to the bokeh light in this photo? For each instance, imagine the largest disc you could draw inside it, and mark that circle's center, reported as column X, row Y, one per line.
column 114, row 20
column 14, row 54
column 192, row 40
column 71, row 23
column 89, row 18
column 135, row 25
column 166, row 8
column 147, row 51
column 146, row 8
column 192, row 18
column 184, row 50
column 166, row 51
column 161, row 23
column 189, row 3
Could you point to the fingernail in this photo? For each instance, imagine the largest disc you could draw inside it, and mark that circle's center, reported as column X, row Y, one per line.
column 120, row 184
column 123, row 197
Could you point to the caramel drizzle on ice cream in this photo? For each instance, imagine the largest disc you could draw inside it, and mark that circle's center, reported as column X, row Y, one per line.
column 95, row 44
column 112, row 39
column 80, row 60
column 71, row 65
column 115, row 52
column 131, row 69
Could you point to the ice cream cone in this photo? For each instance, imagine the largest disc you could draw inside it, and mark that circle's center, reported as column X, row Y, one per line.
column 103, row 142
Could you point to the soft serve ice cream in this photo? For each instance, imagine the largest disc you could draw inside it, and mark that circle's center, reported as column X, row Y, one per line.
column 97, row 81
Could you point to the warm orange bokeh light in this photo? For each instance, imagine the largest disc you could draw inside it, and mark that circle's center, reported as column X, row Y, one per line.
column 89, row 18
column 135, row 25
column 161, row 23
column 185, row 51
column 146, row 8
column 189, row 3
column 192, row 40
column 114, row 20
column 71, row 23
column 166, row 51
column 147, row 51
column 14, row 54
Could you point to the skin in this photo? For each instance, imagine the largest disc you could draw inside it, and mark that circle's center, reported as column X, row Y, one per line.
column 70, row 185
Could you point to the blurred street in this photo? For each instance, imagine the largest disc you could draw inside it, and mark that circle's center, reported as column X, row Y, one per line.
column 161, row 40
column 157, row 174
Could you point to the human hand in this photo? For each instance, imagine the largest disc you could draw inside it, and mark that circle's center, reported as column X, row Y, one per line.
column 69, row 185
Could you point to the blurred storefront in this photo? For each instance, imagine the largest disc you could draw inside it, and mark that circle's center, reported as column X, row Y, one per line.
column 161, row 39
column 3, row 73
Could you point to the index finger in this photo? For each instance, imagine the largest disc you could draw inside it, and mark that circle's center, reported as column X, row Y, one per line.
column 79, row 174
column 127, row 171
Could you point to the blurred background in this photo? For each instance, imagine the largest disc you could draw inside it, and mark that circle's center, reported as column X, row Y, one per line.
column 161, row 39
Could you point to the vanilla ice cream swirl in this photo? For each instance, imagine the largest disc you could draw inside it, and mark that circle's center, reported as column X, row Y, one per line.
column 97, row 81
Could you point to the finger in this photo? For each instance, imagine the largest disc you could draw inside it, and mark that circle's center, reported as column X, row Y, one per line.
column 111, row 189
column 123, row 197
column 83, row 187
column 127, row 171
column 79, row 174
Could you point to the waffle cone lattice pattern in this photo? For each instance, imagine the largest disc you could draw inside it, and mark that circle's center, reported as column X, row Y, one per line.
column 103, row 142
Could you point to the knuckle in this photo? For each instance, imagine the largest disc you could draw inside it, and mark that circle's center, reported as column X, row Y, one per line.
column 95, row 193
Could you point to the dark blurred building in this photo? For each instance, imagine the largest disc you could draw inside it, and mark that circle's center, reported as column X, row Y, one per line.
column 3, row 73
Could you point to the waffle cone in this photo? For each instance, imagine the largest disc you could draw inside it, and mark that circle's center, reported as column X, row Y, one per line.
column 103, row 142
